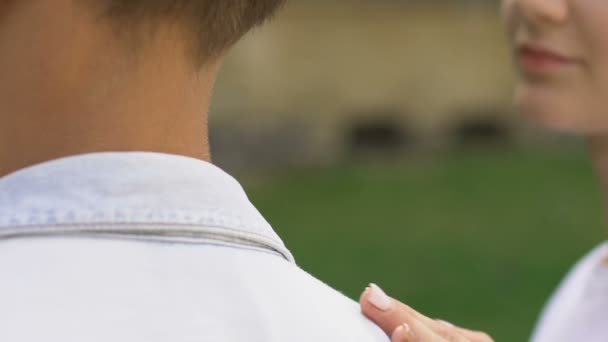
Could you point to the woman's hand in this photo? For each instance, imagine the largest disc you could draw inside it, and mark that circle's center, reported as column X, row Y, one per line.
column 404, row 324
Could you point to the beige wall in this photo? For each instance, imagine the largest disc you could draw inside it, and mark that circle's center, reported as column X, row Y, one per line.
column 323, row 62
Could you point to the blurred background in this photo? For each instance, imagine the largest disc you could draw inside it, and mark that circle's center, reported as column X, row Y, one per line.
column 378, row 138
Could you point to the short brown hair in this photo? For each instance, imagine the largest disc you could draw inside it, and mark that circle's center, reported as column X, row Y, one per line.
column 212, row 25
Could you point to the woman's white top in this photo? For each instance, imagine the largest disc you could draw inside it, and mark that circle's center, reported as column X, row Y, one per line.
column 578, row 311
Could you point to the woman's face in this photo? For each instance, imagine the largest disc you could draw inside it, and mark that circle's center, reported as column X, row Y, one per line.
column 561, row 53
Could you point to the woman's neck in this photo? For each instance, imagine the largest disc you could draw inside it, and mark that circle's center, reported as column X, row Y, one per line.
column 598, row 148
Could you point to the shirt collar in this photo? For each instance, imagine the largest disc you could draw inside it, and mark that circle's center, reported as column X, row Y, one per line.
column 114, row 189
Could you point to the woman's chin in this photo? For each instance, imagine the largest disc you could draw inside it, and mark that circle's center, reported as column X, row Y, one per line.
column 564, row 122
column 558, row 113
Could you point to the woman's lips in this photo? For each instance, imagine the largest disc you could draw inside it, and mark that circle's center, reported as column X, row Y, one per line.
column 542, row 61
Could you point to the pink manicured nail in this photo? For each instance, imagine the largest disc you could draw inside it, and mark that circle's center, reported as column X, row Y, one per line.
column 401, row 333
column 378, row 298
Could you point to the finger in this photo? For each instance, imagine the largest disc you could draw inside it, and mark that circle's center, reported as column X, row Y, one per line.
column 389, row 314
column 381, row 309
column 403, row 333
column 473, row 336
column 443, row 328
column 415, row 330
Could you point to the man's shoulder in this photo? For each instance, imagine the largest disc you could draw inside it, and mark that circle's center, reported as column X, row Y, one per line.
column 139, row 291
column 294, row 305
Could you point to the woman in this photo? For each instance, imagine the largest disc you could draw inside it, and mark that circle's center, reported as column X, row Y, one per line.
column 561, row 53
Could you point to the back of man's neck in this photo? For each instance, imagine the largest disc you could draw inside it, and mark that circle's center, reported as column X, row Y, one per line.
column 155, row 104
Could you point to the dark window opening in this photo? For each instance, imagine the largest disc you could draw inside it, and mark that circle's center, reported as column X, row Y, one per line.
column 483, row 131
column 378, row 136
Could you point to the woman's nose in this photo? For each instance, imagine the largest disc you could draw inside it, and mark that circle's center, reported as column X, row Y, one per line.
column 543, row 12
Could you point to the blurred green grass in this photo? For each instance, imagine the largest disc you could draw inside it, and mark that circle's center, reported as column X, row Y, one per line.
column 480, row 237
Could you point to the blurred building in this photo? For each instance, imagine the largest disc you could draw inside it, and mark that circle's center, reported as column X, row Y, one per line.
column 333, row 78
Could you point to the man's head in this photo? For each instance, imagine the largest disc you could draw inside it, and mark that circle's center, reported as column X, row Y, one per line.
column 210, row 27
column 203, row 30
column 95, row 75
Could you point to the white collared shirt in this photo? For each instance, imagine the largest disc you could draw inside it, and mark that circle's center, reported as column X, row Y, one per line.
column 577, row 311
column 149, row 247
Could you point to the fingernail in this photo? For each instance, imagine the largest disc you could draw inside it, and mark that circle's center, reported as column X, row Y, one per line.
column 401, row 333
column 378, row 298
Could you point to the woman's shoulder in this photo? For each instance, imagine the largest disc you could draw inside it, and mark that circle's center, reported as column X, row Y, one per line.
column 569, row 300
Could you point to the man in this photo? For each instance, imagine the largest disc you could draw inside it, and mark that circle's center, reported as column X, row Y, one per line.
column 113, row 225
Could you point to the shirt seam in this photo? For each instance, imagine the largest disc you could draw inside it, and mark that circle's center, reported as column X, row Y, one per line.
column 156, row 231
